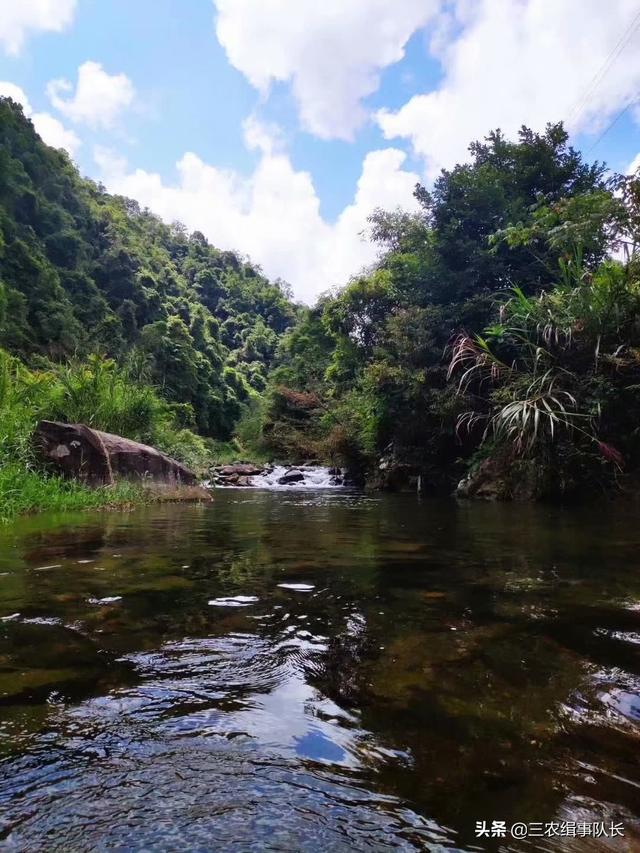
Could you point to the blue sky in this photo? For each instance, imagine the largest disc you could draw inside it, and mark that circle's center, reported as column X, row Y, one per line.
column 276, row 126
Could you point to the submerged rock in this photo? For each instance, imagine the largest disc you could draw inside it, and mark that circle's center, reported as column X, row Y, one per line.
column 167, row 493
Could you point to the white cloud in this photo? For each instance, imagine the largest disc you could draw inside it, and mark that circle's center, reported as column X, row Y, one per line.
column 520, row 61
column 50, row 129
column 19, row 17
column 273, row 214
column 259, row 136
column 634, row 165
column 331, row 51
column 108, row 161
column 99, row 98
column 54, row 133
column 10, row 90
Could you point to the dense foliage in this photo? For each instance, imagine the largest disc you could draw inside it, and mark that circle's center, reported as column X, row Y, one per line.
column 97, row 393
column 110, row 317
column 495, row 324
column 516, row 242
column 83, row 272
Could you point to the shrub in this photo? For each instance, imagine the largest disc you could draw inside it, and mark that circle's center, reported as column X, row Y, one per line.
column 560, row 367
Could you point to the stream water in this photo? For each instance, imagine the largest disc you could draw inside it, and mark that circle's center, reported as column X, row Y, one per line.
column 301, row 670
column 314, row 477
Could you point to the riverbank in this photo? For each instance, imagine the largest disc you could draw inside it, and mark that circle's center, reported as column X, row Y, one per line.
column 24, row 492
column 101, row 395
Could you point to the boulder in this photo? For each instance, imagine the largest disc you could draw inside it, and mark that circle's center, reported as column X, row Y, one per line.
column 244, row 469
column 100, row 458
column 503, row 478
column 291, row 477
column 238, row 474
column 398, row 469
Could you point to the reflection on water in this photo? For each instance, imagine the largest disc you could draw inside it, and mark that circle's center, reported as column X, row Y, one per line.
column 300, row 671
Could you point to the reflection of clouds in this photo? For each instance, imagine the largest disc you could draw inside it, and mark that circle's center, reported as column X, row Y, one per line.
column 627, row 704
column 233, row 601
column 243, row 684
column 221, row 739
column 585, row 810
column 611, row 697
column 617, row 693
column 431, row 620
column 632, row 637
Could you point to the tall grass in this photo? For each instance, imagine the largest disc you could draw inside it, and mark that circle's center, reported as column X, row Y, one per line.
column 98, row 393
column 103, row 396
column 23, row 491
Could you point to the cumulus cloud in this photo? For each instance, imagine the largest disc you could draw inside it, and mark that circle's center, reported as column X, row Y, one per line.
column 259, row 136
column 52, row 131
column 273, row 215
column 10, row 90
column 99, row 97
column 634, row 165
column 21, row 17
column 509, row 62
column 332, row 52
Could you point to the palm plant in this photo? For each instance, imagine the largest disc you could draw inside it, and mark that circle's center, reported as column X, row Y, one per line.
column 531, row 375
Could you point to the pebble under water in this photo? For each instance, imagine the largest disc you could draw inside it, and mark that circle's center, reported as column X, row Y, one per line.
column 290, row 670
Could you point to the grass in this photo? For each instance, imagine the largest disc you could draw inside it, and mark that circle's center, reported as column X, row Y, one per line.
column 24, row 491
column 96, row 392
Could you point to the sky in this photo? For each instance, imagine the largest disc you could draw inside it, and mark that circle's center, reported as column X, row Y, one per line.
column 275, row 127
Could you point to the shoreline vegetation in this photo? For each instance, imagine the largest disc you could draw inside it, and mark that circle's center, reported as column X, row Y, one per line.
column 95, row 392
column 29, row 492
column 494, row 345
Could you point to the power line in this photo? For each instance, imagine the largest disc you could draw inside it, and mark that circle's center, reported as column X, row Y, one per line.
column 599, row 76
column 614, row 121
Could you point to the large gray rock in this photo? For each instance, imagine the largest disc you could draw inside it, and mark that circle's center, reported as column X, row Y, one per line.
column 99, row 458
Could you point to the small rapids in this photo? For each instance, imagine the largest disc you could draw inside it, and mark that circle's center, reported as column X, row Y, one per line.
column 276, row 477
column 312, row 477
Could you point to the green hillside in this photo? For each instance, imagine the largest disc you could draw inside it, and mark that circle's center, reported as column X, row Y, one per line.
column 82, row 272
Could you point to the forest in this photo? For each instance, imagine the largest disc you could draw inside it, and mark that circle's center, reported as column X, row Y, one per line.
column 497, row 337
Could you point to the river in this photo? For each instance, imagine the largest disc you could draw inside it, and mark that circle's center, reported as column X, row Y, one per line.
column 318, row 671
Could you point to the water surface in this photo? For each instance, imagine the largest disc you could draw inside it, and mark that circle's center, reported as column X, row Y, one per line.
column 318, row 671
